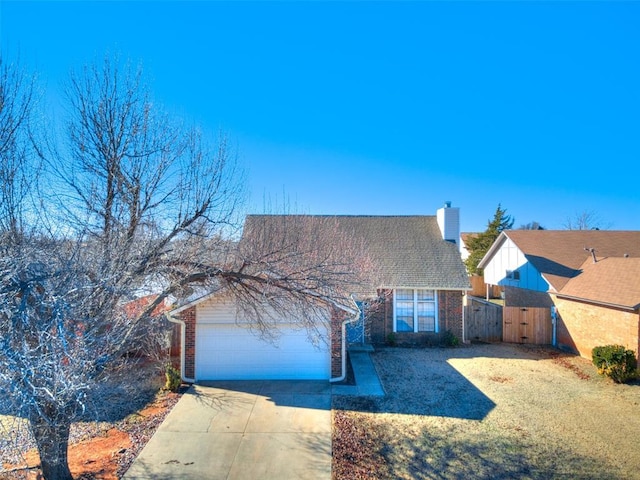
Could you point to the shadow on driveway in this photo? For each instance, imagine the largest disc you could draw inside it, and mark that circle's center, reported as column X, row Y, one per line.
column 313, row 394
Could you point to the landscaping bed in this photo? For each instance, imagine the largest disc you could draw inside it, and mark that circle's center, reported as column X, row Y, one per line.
column 488, row 412
column 103, row 449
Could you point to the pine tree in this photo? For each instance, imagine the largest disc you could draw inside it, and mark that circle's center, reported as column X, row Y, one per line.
column 479, row 245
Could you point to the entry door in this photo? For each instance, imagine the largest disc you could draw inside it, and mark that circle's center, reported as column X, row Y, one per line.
column 355, row 330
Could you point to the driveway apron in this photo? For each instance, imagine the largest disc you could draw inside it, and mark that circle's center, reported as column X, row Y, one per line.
column 243, row 430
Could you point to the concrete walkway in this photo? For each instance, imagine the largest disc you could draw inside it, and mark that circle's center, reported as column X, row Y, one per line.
column 367, row 382
column 243, row 430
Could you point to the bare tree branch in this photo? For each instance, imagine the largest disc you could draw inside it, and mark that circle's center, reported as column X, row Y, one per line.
column 143, row 206
column 586, row 220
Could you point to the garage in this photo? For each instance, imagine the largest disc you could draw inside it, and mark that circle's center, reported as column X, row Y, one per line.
column 229, row 350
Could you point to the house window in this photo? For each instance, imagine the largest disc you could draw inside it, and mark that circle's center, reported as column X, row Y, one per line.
column 513, row 275
column 414, row 310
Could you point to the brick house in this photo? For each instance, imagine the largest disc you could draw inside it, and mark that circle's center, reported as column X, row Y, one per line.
column 416, row 296
column 589, row 278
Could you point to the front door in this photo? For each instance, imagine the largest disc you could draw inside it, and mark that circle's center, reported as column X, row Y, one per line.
column 355, row 330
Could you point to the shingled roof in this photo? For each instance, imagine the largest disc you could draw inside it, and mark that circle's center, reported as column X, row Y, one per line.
column 409, row 250
column 559, row 255
column 611, row 281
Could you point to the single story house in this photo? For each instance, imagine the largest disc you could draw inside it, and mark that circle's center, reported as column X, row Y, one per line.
column 589, row 278
column 414, row 297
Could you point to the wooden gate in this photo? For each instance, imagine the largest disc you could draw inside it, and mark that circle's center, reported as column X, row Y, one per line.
column 482, row 321
column 527, row 325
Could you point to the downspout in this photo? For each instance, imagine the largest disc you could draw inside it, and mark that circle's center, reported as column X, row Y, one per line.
column 464, row 300
column 183, row 342
column 343, row 356
column 554, row 323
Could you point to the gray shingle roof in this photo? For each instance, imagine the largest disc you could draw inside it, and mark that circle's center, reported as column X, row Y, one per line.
column 409, row 250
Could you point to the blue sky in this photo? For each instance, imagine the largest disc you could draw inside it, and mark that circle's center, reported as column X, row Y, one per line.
column 385, row 107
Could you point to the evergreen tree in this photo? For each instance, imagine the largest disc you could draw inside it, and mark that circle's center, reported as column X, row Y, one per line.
column 480, row 244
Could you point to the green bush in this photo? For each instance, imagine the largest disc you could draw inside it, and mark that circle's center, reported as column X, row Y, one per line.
column 616, row 362
column 392, row 340
column 174, row 381
column 450, row 340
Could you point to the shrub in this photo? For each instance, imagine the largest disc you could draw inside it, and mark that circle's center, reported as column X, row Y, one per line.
column 616, row 362
column 450, row 340
column 174, row 381
column 392, row 339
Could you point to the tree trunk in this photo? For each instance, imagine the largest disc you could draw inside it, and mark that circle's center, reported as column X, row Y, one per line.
column 52, row 442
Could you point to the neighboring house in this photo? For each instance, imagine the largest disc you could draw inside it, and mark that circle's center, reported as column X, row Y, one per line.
column 416, row 295
column 464, row 239
column 590, row 278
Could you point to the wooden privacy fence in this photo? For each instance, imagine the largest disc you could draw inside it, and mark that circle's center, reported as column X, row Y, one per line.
column 479, row 288
column 527, row 325
column 482, row 321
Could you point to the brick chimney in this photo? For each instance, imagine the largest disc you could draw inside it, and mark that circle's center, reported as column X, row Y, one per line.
column 449, row 222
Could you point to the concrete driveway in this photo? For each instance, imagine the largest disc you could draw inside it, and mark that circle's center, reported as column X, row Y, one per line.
column 243, row 430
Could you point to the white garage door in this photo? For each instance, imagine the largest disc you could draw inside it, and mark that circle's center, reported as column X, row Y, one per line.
column 231, row 352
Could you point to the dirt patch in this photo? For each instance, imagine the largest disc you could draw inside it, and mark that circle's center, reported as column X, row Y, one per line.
column 490, row 412
column 107, row 450
column 93, row 458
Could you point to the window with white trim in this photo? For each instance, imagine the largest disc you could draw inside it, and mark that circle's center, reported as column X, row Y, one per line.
column 414, row 310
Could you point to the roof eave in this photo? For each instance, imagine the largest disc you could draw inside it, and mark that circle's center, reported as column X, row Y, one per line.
column 193, row 303
column 631, row 308
column 346, row 308
column 493, row 249
column 425, row 287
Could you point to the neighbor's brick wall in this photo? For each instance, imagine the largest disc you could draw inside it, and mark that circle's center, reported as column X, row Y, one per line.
column 582, row 326
column 449, row 318
column 189, row 318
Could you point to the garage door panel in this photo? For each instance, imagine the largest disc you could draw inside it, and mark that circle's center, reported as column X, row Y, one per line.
column 226, row 352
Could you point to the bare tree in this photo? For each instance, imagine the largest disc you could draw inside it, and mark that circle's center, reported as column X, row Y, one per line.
column 135, row 196
column 295, row 266
column 17, row 167
column 586, row 220
column 140, row 205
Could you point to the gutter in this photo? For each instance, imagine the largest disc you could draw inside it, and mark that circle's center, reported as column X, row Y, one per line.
column 183, row 342
column 343, row 356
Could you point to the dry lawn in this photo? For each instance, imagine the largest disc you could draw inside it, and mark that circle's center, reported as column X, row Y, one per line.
column 488, row 412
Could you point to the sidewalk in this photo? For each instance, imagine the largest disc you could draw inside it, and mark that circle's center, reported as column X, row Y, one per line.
column 366, row 376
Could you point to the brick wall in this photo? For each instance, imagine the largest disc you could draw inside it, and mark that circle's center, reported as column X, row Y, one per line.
column 376, row 317
column 582, row 326
column 449, row 318
column 450, row 312
column 189, row 318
